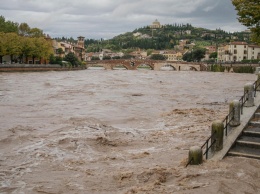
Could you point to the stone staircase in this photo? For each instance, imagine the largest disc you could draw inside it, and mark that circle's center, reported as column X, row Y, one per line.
column 248, row 143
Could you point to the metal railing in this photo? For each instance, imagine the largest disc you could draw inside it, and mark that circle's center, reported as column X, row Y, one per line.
column 206, row 146
column 256, row 85
column 189, row 162
column 228, row 119
column 243, row 100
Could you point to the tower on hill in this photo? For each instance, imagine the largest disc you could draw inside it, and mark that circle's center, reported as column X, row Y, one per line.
column 81, row 41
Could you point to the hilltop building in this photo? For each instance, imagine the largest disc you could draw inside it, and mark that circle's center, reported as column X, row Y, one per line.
column 156, row 24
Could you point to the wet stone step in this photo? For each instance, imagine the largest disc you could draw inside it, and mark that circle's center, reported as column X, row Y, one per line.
column 254, row 123
column 257, row 115
column 244, row 152
column 248, row 144
column 247, row 141
column 250, row 139
column 253, row 129
column 252, row 132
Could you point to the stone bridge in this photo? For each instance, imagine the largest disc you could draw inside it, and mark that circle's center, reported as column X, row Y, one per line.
column 133, row 64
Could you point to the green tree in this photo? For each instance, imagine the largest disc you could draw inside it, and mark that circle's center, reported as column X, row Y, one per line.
column 8, row 26
column 13, row 47
column 248, row 12
column 106, row 58
column 213, row 55
column 95, row 58
column 157, row 57
column 60, row 51
column 52, row 59
column 55, row 59
column 47, row 49
column 127, row 56
column 24, row 29
column 3, row 43
column 71, row 57
column 198, row 54
column 116, row 57
column 36, row 32
column 38, row 49
column 27, row 48
column 194, row 55
column 187, row 57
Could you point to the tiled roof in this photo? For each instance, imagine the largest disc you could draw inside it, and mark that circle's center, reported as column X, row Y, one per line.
column 238, row 43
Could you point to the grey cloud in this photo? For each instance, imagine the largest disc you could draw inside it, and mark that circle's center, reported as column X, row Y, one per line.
column 108, row 18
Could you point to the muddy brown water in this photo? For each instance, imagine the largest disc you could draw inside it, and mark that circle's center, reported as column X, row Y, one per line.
column 97, row 131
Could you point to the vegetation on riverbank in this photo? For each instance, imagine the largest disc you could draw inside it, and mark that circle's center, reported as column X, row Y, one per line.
column 236, row 69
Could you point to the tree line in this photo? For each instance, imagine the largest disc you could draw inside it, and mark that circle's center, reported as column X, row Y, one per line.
column 20, row 41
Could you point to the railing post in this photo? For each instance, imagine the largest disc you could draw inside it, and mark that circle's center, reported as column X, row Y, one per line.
column 258, row 82
column 249, row 90
column 195, row 155
column 217, row 133
column 257, row 70
column 234, row 109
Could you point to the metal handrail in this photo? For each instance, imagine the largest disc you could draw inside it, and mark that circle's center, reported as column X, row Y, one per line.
column 243, row 100
column 256, row 85
column 207, row 145
column 226, row 122
column 228, row 119
column 189, row 162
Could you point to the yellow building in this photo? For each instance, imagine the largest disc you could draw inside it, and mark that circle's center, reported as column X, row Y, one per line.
column 78, row 49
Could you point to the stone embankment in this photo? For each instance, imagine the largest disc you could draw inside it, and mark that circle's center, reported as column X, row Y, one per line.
column 34, row 68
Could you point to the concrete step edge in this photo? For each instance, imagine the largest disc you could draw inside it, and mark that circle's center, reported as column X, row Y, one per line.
column 248, row 144
column 254, row 123
column 247, row 132
column 232, row 153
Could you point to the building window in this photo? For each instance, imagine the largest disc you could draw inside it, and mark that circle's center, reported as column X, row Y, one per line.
column 235, row 46
column 235, row 51
column 245, row 46
column 245, row 52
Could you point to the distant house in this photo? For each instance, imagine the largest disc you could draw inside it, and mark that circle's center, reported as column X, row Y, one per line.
column 170, row 55
column 139, row 54
column 137, row 34
column 63, row 48
column 188, row 32
column 238, row 51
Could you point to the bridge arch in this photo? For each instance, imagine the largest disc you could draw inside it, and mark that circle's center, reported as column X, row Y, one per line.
column 168, row 66
column 119, row 66
column 193, row 68
column 144, row 64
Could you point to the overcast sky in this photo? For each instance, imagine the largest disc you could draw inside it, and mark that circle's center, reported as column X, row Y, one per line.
column 108, row 18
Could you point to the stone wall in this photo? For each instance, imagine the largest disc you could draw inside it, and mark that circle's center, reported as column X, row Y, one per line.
column 34, row 68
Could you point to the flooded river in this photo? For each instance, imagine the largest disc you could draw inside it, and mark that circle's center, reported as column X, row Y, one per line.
column 96, row 131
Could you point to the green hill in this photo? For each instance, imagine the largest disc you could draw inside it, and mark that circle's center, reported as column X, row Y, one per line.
column 165, row 38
